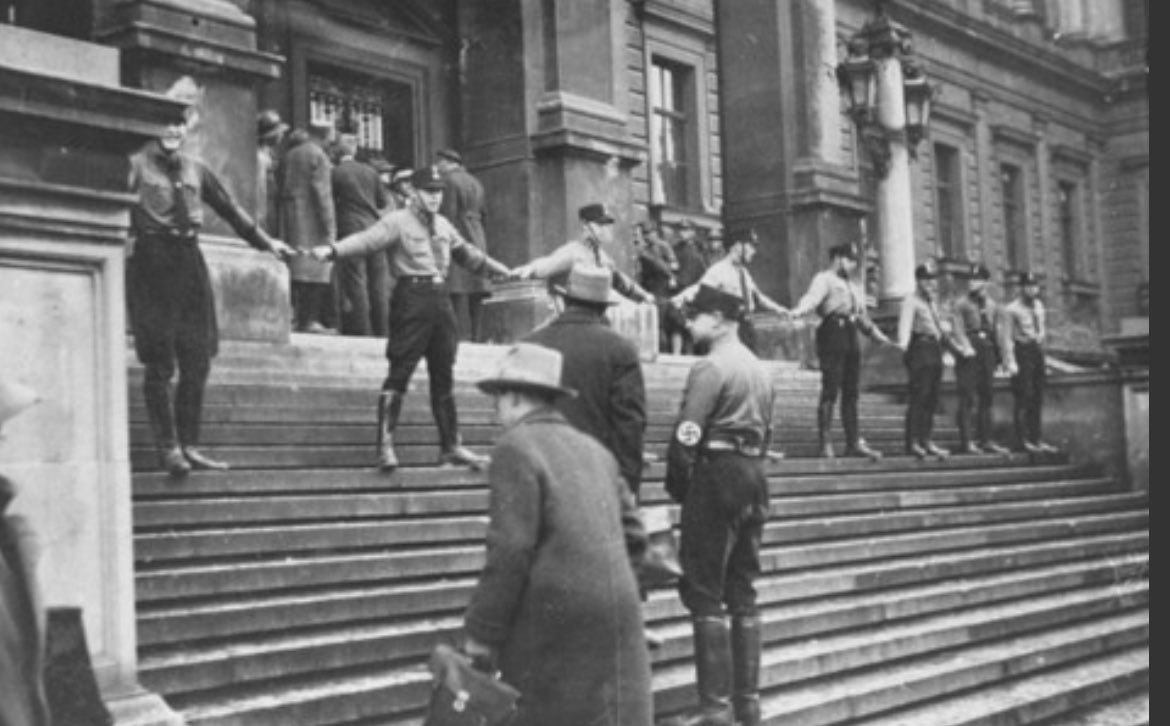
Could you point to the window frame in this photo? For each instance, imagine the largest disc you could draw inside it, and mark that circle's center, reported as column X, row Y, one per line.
column 952, row 241
column 1015, row 236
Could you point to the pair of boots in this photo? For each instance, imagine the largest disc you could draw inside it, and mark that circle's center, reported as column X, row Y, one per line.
column 451, row 449
column 727, row 666
column 176, row 428
column 855, row 446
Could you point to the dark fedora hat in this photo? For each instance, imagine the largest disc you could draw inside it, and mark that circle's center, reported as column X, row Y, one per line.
column 589, row 284
column 527, row 367
column 925, row 271
column 1029, row 278
column 847, row 249
column 713, row 300
column 596, row 213
column 450, row 155
column 269, row 124
column 978, row 271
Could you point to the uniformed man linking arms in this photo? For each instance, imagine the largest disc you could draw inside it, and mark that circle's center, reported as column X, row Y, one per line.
column 921, row 334
column 423, row 244
column 172, row 307
column 976, row 318
column 840, row 303
column 1022, row 342
column 715, row 469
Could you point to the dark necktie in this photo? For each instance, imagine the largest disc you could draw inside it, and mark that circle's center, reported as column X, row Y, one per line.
column 743, row 289
column 180, row 214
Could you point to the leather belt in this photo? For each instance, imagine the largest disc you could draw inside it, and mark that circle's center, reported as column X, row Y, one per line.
column 421, row 279
column 735, row 444
column 187, row 235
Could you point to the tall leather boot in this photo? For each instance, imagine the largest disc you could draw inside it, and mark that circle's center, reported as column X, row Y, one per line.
column 824, row 423
column 389, row 409
column 451, row 449
column 188, row 417
column 855, row 445
column 713, row 673
column 157, row 395
column 745, row 668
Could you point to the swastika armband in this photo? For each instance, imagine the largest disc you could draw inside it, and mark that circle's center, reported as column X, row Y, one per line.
column 689, row 434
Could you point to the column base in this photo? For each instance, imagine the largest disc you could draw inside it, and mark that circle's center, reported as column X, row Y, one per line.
column 142, row 708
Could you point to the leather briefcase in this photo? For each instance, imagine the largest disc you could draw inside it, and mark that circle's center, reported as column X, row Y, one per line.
column 462, row 695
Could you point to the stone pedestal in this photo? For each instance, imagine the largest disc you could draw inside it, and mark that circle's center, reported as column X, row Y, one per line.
column 517, row 308
column 1132, row 348
column 64, row 214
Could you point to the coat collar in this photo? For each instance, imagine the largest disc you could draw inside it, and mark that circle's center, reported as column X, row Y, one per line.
column 578, row 316
column 544, row 415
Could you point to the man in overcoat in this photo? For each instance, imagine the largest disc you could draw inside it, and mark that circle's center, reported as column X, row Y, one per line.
column 308, row 219
column 557, row 606
column 364, row 282
column 463, row 205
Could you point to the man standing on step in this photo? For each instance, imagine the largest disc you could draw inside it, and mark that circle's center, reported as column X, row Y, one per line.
column 422, row 245
column 730, row 274
column 556, row 607
column 363, row 283
column 921, row 335
column 976, row 335
column 610, row 405
column 172, row 308
column 715, row 470
column 463, row 204
column 1022, row 342
column 840, row 303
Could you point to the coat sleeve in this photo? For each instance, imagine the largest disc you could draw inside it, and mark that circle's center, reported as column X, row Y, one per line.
column 699, row 399
column 627, row 405
column 322, row 186
column 513, row 530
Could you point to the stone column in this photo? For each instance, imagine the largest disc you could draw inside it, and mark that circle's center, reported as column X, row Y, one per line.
column 895, row 211
column 66, row 129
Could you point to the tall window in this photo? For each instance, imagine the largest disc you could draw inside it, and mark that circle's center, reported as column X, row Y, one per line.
column 1069, row 201
column 1014, row 226
column 671, row 128
column 948, row 200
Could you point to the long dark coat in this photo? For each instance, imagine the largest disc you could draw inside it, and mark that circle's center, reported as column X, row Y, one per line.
column 558, row 596
column 307, row 217
column 463, row 205
column 604, row 369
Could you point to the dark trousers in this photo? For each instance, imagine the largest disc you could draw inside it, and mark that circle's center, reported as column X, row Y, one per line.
column 924, row 365
column 313, row 302
column 723, row 520
column 422, row 325
column 747, row 334
column 974, row 379
column 839, row 354
column 172, row 309
column 1028, row 391
column 364, row 288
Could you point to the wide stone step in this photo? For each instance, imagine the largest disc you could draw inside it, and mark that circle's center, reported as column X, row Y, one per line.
column 898, row 684
column 225, row 616
column 212, row 540
column 1063, row 696
column 308, row 570
column 826, row 657
column 238, row 661
column 810, row 476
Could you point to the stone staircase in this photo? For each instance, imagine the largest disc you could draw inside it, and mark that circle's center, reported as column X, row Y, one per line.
column 302, row 587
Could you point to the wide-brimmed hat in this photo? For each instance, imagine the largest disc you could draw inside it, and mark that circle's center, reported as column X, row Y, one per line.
column 711, row 300
column 596, row 213
column 527, row 367
column 589, row 284
column 269, row 124
column 1029, row 278
column 925, row 271
column 978, row 271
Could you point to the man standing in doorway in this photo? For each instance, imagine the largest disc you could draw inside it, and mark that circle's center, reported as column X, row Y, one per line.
column 840, row 304
column 363, row 282
column 308, row 219
column 463, row 205
column 1022, row 342
column 270, row 133
column 422, row 244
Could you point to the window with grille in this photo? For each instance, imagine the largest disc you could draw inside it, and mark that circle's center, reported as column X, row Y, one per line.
column 948, row 201
column 671, row 128
column 1014, row 223
column 379, row 110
